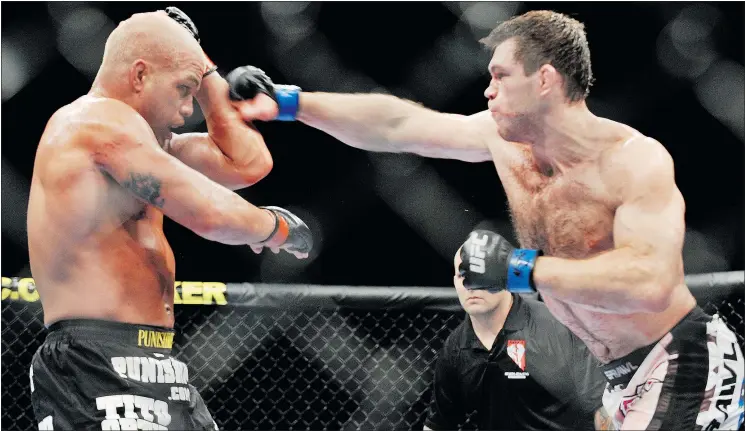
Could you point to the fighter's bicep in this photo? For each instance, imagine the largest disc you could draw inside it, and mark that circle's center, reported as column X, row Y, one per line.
column 648, row 229
column 651, row 215
column 149, row 174
column 442, row 135
column 197, row 151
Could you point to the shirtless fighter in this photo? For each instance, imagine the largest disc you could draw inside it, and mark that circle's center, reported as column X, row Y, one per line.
column 595, row 207
column 107, row 170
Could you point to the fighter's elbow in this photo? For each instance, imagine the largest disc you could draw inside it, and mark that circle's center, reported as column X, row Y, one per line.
column 657, row 299
column 656, row 289
column 251, row 173
column 258, row 170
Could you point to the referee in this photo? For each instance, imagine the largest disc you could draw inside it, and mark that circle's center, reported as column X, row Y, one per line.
column 515, row 365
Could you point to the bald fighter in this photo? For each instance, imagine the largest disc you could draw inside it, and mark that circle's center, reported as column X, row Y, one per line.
column 107, row 170
column 598, row 216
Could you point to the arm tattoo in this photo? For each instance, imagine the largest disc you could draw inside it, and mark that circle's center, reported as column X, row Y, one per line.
column 146, row 186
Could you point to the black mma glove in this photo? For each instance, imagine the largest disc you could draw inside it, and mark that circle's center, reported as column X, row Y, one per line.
column 183, row 19
column 490, row 262
column 290, row 233
column 247, row 81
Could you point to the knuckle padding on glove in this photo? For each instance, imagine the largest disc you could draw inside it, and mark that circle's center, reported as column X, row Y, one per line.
column 247, row 82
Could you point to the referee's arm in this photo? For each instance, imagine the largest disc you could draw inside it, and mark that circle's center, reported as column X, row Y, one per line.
column 445, row 408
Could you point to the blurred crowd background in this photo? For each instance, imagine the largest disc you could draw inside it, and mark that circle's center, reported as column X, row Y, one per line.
column 674, row 71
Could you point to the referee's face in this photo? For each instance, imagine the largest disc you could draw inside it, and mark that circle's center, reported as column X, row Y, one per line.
column 475, row 302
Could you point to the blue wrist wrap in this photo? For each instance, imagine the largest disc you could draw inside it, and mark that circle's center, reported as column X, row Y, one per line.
column 288, row 98
column 520, row 270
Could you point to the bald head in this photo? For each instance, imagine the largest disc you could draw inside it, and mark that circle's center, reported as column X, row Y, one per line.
column 154, row 65
column 153, row 37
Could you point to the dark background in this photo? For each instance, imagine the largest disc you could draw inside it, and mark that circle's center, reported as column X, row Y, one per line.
column 674, row 71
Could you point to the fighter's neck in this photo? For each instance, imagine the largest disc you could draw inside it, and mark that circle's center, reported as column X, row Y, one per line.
column 163, row 136
column 487, row 326
column 567, row 137
column 106, row 87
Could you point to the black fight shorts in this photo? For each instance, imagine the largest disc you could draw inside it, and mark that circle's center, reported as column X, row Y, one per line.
column 95, row 374
column 692, row 379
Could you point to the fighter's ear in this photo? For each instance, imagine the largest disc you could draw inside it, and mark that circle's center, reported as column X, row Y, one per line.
column 548, row 79
column 138, row 74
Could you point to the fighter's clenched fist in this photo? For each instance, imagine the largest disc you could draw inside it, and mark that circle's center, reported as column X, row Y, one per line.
column 248, row 83
column 290, row 234
column 490, row 262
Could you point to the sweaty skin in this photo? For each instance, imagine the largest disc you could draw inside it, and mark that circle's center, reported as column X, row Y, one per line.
column 104, row 179
column 572, row 215
column 95, row 249
column 570, row 210
column 598, row 197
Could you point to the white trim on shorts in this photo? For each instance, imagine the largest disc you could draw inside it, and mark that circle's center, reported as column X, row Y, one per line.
column 723, row 402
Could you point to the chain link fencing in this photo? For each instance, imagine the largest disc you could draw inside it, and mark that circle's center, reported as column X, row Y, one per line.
column 307, row 357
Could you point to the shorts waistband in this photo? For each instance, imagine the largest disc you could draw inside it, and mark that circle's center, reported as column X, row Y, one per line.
column 123, row 334
column 621, row 370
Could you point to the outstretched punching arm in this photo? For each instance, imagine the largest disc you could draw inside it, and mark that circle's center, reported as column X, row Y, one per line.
column 373, row 122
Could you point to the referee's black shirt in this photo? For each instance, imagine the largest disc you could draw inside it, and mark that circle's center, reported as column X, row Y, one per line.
column 559, row 389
